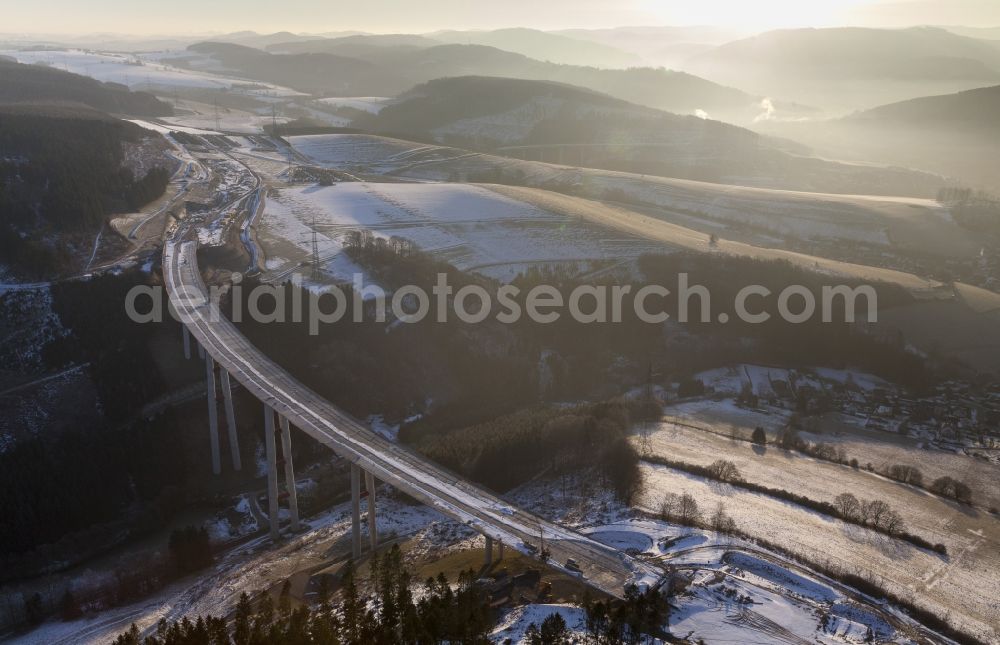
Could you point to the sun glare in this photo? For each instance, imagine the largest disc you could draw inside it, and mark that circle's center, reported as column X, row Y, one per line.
column 755, row 15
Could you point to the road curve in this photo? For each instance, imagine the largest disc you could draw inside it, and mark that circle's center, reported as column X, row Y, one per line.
column 603, row 568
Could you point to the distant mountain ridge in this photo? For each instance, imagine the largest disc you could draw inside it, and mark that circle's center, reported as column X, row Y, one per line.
column 668, row 46
column 254, row 39
column 307, row 72
column 390, row 69
column 545, row 46
column 844, row 69
column 855, row 52
column 356, row 45
column 539, row 45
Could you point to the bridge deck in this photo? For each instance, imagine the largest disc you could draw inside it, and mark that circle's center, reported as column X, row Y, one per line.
column 603, row 568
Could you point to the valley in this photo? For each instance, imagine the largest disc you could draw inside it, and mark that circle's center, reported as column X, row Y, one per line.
column 701, row 469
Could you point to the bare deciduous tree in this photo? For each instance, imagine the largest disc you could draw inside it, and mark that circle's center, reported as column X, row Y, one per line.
column 670, row 507
column 848, row 506
column 725, row 471
column 873, row 512
column 687, row 510
column 721, row 521
column 906, row 474
column 892, row 523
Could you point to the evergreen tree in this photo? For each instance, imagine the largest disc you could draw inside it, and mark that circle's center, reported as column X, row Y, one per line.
column 244, row 614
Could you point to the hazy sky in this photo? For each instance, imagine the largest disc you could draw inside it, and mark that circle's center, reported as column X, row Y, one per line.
column 202, row 16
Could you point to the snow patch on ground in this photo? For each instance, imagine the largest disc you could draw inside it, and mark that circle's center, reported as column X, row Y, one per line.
column 782, row 577
column 379, row 426
column 371, row 104
column 515, row 623
column 628, row 541
column 219, row 529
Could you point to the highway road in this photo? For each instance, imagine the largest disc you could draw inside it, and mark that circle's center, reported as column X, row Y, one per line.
column 602, row 567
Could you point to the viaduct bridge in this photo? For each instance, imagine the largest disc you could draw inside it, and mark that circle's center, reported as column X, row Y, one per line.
column 286, row 402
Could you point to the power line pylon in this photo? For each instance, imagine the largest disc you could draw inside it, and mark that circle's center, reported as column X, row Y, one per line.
column 315, row 251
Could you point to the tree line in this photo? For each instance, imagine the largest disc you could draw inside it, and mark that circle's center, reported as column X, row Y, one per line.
column 776, row 342
column 976, row 210
column 511, row 449
column 390, row 607
column 876, row 515
column 945, row 486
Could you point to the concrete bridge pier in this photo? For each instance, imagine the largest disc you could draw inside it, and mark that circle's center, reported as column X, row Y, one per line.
column 372, row 524
column 234, row 440
column 489, row 551
column 355, row 511
column 187, row 342
column 286, row 453
column 499, row 550
column 272, row 473
column 201, row 350
column 213, row 414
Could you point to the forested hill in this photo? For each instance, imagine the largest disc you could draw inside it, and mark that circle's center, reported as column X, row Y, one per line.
column 447, row 101
column 972, row 112
column 600, row 131
column 39, row 84
column 62, row 172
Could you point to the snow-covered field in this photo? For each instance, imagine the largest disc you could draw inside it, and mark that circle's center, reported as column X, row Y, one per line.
column 140, row 72
column 735, row 592
column 936, row 519
column 881, row 449
column 400, row 157
column 958, row 584
column 920, row 225
column 735, row 605
column 167, row 128
column 685, row 208
column 372, row 104
column 365, row 151
column 656, row 229
column 787, row 601
column 873, row 220
column 981, row 475
column 470, row 226
column 228, row 121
